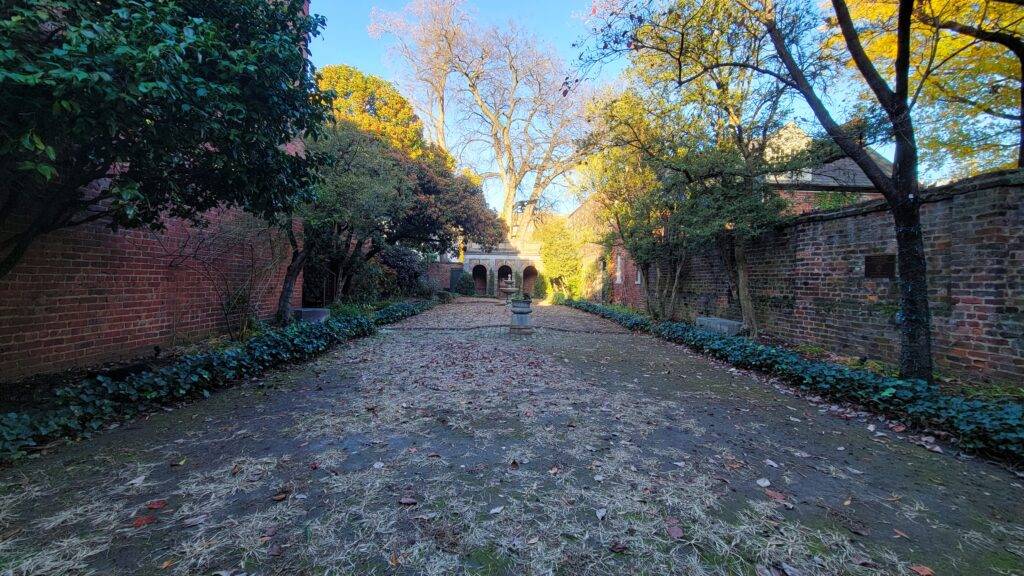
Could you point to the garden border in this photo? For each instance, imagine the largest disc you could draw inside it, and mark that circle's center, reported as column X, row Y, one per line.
column 985, row 426
column 91, row 404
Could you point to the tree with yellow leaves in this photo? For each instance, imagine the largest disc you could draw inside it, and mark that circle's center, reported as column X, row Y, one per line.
column 967, row 92
column 373, row 105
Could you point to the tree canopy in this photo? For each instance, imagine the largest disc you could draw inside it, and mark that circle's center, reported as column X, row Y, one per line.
column 373, row 105
column 965, row 66
column 132, row 110
column 372, row 195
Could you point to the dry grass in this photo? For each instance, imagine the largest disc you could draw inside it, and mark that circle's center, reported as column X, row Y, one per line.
column 467, row 454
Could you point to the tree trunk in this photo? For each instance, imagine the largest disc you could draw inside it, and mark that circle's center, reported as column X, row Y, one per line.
column 743, row 287
column 914, row 318
column 284, row 302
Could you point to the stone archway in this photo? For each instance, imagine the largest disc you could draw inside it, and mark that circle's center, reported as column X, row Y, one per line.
column 529, row 280
column 480, row 279
column 504, row 273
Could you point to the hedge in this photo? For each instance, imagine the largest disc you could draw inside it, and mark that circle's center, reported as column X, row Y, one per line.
column 400, row 311
column 992, row 427
column 92, row 403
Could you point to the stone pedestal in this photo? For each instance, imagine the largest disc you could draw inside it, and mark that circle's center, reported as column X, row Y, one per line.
column 521, row 310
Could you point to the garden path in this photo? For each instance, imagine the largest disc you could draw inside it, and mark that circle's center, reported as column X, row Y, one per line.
column 444, row 445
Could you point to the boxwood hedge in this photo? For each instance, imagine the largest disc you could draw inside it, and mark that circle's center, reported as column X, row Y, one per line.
column 90, row 404
column 993, row 427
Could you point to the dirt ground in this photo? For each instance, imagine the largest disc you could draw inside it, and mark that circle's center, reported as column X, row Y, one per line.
column 444, row 445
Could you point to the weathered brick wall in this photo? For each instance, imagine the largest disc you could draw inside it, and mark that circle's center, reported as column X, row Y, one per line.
column 623, row 288
column 809, row 286
column 87, row 295
column 439, row 274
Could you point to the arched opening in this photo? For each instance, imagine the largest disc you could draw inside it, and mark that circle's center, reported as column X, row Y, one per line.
column 480, row 279
column 504, row 273
column 529, row 280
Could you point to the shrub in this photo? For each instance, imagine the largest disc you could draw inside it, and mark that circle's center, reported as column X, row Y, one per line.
column 541, row 287
column 400, row 311
column 995, row 427
column 445, row 297
column 465, row 286
column 619, row 314
column 92, row 403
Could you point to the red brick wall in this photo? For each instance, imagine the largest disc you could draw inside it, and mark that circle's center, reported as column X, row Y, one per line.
column 87, row 295
column 809, row 286
column 439, row 274
column 625, row 292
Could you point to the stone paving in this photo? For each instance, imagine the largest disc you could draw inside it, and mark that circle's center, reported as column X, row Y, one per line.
column 444, row 445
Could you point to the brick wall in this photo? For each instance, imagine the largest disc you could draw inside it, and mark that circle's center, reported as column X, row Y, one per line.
column 87, row 295
column 809, row 286
column 439, row 274
column 623, row 288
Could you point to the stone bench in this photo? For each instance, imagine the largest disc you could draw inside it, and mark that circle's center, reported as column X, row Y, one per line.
column 311, row 315
column 720, row 325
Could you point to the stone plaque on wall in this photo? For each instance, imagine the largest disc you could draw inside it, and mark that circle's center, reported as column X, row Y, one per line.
column 880, row 266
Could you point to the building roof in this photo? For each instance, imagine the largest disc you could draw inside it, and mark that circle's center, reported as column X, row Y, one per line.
column 838, row 174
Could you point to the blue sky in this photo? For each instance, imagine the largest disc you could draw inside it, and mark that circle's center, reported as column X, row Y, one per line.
column 346, row 41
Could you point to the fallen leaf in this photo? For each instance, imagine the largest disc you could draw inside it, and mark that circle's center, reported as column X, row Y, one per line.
column 775, row 495
column 618, row 547
column 921, row 570
column 674, row 531
column 236, row 469
column 763, row 482
column 771, row 463
column 497, row 509
column 407, row 501
column 601, row 513
column 141, row 521
column 900, row 534
column 514, row 464
column 157, row 504
column 167, row 564
column 274, row 550
column 137, row 481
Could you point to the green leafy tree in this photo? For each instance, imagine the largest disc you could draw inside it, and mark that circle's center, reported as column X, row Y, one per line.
column 375, row 106
column 560, row 250
column 129, row 111
column 372, row 196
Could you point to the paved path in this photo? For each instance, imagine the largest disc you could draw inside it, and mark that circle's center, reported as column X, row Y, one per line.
column 446, row 446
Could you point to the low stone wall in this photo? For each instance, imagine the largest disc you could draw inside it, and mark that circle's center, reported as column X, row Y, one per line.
column 88, row 295
column 824, row 280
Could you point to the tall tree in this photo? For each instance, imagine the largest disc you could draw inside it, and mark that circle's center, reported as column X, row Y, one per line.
column 424, row 35
column 965, row 74
column 373, row 105
column 372, row 195
column 129, row 111
column 509, row 88
column 797, row 62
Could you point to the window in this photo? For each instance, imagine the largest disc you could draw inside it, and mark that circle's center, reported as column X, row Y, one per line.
column 618, row 269
column 638, row 278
